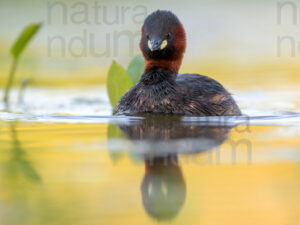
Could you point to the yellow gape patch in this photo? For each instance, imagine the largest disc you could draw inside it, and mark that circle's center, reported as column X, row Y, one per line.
column 149, row 45
column 163, row 44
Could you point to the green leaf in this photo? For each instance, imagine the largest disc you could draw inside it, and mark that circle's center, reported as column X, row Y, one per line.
column 24, row 39
column 136, row 68
column 118, row 83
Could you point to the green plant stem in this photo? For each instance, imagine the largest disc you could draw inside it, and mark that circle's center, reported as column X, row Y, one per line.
column 10, row 80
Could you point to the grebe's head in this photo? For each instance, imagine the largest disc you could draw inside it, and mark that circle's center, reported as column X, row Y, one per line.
column 163, row 40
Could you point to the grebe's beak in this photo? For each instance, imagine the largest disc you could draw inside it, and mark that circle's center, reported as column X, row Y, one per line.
column 156, row 44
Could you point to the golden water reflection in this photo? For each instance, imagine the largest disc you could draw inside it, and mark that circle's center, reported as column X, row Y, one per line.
column 64, row 174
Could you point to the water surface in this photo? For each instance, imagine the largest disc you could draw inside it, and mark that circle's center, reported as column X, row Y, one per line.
column 65, row 160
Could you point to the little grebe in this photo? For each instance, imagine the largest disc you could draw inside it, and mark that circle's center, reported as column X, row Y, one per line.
column 161, row 89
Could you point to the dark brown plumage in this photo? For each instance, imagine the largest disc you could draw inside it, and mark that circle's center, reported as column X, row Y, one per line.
column 161, row 89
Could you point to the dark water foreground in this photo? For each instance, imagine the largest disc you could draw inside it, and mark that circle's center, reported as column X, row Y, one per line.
column 149, row 169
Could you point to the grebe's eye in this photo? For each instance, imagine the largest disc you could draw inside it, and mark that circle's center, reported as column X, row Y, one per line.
column 168, row 35
column 147, row 36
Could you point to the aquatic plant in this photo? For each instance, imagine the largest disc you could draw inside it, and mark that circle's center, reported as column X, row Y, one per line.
column 135, row 68
column 24, row 38
column 120, row 80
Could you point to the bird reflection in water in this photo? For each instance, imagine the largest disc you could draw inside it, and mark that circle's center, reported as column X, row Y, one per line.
column 163, row 187
column 160, row 140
